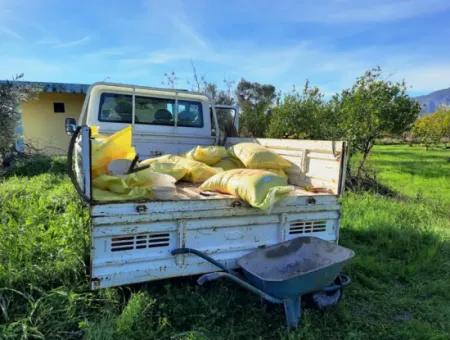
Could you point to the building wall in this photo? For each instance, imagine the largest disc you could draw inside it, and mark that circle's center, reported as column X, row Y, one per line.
column 43, row 129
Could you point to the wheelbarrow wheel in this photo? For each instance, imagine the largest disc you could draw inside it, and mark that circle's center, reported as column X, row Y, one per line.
column 325, row 300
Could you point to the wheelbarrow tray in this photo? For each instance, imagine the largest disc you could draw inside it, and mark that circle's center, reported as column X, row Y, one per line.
column 295, row 267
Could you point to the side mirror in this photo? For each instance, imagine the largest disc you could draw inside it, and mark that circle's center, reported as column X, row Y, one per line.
column 70, row 126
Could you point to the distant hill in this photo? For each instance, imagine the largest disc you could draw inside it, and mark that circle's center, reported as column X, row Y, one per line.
column 432, row 101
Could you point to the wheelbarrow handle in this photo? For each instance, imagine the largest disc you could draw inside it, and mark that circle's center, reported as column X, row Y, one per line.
column 179, row 251
column 219, row 275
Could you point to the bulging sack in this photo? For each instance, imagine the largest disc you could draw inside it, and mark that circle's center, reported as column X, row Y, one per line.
column 181, row 168
column 196, row 172
column 255, row 156
column 165, row 165
column 107, row 149
column 279, row 172
column 229, row 163
column 209, row 155
column 134, row 194
column 143, row 184
column 260, row 188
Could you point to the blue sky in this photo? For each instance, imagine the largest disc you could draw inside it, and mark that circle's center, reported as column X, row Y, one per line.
column 278, row 42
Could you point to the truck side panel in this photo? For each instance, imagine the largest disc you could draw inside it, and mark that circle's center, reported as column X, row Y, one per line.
column 137, row 248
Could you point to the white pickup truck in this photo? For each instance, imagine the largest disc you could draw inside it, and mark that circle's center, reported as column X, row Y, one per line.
column 132, row 241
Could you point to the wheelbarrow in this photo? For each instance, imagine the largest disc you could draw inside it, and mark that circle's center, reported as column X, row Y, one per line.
column 282, row 273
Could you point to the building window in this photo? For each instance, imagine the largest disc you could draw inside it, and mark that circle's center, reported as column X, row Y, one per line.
column 58, row 107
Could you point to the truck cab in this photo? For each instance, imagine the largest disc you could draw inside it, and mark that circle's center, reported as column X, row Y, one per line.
column 163, row 120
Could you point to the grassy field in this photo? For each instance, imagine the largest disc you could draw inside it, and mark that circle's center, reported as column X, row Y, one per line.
column 401, row 272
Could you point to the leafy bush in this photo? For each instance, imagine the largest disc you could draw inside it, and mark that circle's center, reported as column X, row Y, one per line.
column 371, row 108
column 304, row 115
column 254, row 100
column 12, row 94
column 432, row 129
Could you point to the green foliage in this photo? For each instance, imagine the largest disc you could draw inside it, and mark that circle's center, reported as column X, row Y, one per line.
column 11, row 95
column 400, row 274
column 304, row 115
column 254, row 100
column 432, row 129
column 370, row 108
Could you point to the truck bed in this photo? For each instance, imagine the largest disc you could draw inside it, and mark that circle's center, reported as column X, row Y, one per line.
column 186, row 191
column 132, row 241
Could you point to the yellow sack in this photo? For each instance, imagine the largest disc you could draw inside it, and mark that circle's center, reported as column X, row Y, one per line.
column 106, row 149
column 133, row 194
column 229, row 163
column 196, row 172
column 116, row 184
column 260, row 188
column 139, row 185
column 255, row 156
column 279, row 172
column 165, row 166
column 209, row 155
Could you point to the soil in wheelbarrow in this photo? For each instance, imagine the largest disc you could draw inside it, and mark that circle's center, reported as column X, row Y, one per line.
column 293, row 258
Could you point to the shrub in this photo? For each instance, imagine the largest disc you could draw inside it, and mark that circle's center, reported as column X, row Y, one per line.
column 12, row 94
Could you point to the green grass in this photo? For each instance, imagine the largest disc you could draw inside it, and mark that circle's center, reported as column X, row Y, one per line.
column 415, row 173
column 400, row 275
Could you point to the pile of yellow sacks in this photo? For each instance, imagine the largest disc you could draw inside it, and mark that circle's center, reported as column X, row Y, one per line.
column 141, row 185
column 247, row 170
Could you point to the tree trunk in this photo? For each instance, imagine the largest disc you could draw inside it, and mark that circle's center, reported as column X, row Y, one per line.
column 365, row 155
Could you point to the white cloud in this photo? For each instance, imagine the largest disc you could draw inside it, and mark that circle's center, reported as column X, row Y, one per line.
column 346, row 11
column 159, row 57
column 188, row 34
column 377, row 11
column 10, row 33
column 426, row 78
column 73, row 43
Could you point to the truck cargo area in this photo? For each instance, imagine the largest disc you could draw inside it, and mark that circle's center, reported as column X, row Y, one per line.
column 131, row 241
column 190, row 191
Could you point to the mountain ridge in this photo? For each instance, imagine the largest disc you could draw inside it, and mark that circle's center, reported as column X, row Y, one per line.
column 430, row 102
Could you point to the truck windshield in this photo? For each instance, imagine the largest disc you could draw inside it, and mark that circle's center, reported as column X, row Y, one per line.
column 118, row 108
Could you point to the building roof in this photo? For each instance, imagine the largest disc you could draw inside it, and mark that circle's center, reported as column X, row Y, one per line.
column 53, row 87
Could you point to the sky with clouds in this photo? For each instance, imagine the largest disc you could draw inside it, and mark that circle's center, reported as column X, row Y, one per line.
column 279, row 42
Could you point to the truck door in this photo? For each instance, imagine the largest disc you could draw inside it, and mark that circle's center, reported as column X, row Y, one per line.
column 79, row 161
column 228, row 120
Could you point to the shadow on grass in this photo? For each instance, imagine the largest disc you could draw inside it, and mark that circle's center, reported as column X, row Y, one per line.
column 369, row 183
column 423, row 169
column 395, row 269
column 394, row 266
column 34, row 165
column 411, row 155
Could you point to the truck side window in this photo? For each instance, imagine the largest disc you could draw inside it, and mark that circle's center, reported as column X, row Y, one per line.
column 190, row 114
column 157, row 111
column 115, row 107
column 118, row 108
